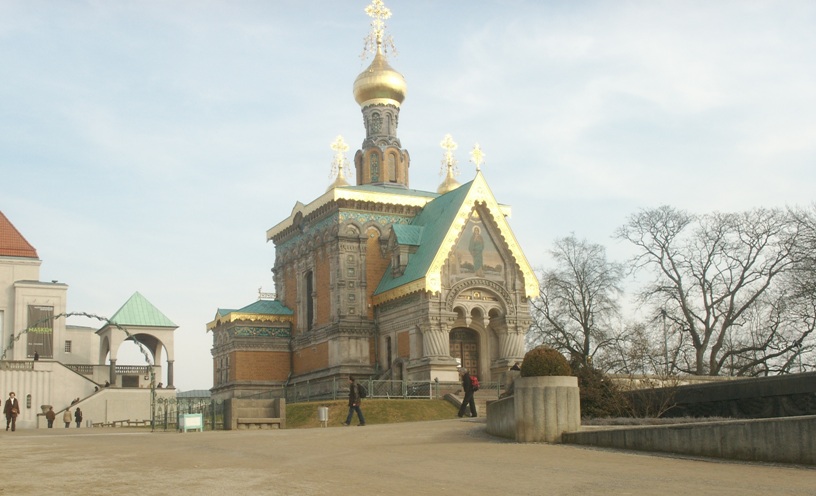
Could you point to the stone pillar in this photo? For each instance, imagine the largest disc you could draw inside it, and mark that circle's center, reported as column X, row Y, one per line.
column 435, row 343
column 546, row 407
column 112, row 373
column 170, row 373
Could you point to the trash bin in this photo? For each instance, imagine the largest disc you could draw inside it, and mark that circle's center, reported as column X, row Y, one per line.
column 323, row 415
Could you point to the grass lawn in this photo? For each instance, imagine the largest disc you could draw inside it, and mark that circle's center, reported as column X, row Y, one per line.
column 376, row 411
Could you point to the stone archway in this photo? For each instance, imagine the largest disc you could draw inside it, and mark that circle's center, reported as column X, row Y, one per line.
column 464, row 345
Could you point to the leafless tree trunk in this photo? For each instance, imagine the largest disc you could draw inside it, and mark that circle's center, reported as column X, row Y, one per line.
column 578, row 300
column 721, row 279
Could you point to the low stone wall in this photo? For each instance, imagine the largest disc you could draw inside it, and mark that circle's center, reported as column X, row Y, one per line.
column 782, row 440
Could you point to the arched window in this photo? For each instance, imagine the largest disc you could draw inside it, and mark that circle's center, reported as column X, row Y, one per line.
column 308, row 288
column 392, row 168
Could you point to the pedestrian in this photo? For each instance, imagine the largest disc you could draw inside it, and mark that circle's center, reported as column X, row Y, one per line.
column 354, row 403
column 467, row 386
column 11, row 409
column 36, row 356
column 66, row 417
column 78, row 417
column 50, row 415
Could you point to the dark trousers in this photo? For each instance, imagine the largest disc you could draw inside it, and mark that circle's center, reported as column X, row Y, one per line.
column 352, row 409
column 468, row 401
column 50, row 423
column 79, row 422
column 11, row 420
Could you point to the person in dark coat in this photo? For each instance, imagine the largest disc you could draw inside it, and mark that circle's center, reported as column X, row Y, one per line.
column 78, row 417
column 50, row 415
column 354, row 403
column 467, row 386
column 11, row 409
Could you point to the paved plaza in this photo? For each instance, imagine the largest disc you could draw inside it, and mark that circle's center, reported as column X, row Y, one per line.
column 447, row 457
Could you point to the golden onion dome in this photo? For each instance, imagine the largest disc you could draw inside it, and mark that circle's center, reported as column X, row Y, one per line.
column 379, row 83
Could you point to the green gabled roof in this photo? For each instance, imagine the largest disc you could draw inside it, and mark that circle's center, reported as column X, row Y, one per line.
column 435, row 220
column 408, row 234
column 265, row 307
column 224, row 311
column 137, row 311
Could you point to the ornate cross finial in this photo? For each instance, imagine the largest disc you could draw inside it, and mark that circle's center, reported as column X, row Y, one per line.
column 448, row 160
column 376, row 39
column 477, row 156
column 339, row 164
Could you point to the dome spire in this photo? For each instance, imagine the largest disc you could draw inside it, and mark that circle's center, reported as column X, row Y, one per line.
column 448, row 163
column 380, row 90
column 339, row 164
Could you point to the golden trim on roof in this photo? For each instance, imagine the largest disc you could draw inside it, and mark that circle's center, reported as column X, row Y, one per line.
column 480, row 193
column 399, row 292
column 251, row 317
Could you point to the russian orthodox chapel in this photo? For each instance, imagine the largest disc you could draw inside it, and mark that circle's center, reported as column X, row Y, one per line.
column 380, row 280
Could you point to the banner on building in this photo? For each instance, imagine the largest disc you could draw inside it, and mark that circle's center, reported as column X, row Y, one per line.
column 40, row 335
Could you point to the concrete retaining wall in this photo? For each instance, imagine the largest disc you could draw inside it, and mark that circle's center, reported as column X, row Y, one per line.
column 782, row 440
column 501, row 418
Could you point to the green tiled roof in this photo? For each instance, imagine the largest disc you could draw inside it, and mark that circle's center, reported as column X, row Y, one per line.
column 408, row 234
column 137, row 311
column 266, row 307
column 435, row 220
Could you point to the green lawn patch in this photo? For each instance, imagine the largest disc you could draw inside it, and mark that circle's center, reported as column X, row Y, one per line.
column 376, row 411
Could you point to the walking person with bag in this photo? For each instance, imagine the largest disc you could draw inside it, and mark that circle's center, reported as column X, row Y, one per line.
column 78, row 417
column 467, row 387
column 355, row 397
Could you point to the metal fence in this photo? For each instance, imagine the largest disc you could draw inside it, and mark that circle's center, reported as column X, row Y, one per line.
column 168, row 410
column 335, row 389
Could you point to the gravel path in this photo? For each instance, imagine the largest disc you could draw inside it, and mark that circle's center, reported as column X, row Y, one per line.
column 441, row 457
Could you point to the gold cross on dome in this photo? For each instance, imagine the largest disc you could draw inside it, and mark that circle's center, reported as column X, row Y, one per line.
column 449, row 146
column 339, row 163
column 477, row 156
column 378, row 13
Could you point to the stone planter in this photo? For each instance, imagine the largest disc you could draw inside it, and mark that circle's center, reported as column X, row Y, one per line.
column 546, row 407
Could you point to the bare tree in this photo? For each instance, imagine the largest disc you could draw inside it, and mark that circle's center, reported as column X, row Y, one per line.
column 579, row 300
column 721, row 279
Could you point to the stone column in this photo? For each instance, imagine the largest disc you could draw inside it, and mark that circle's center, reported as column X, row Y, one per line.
column 435, row 343
column 546, row 407
column 112, row 373
column 170, row 373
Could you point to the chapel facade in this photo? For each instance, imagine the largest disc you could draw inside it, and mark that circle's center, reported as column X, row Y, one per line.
column 380, row 280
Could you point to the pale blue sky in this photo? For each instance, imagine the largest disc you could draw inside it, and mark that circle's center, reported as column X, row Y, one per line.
column 147, row 146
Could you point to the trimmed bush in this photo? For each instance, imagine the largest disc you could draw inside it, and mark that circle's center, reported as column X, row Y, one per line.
column 544, row 361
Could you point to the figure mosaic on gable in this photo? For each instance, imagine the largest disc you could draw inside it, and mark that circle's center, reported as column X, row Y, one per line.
column 475, row 254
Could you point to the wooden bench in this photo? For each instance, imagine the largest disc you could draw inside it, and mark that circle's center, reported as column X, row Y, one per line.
column 258, row 423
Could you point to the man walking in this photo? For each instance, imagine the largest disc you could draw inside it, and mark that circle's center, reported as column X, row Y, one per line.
column 11, row 409
column 50, row 415
column 467, row 386
column 354, row 403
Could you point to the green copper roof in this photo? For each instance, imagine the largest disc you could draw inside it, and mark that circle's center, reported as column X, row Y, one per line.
column 137, row 311
column 435, row 220
column 266, row 307
column 408, row 234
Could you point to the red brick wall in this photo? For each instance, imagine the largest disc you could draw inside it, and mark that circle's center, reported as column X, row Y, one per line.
column 323, row 288
column 259, row 365
column 376, row 265
column 403, row 345
column 311, row 358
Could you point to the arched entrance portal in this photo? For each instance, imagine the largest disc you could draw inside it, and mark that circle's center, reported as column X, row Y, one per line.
column 464, row 345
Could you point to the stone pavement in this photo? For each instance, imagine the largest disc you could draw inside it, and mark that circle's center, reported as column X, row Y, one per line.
column 435, row 458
